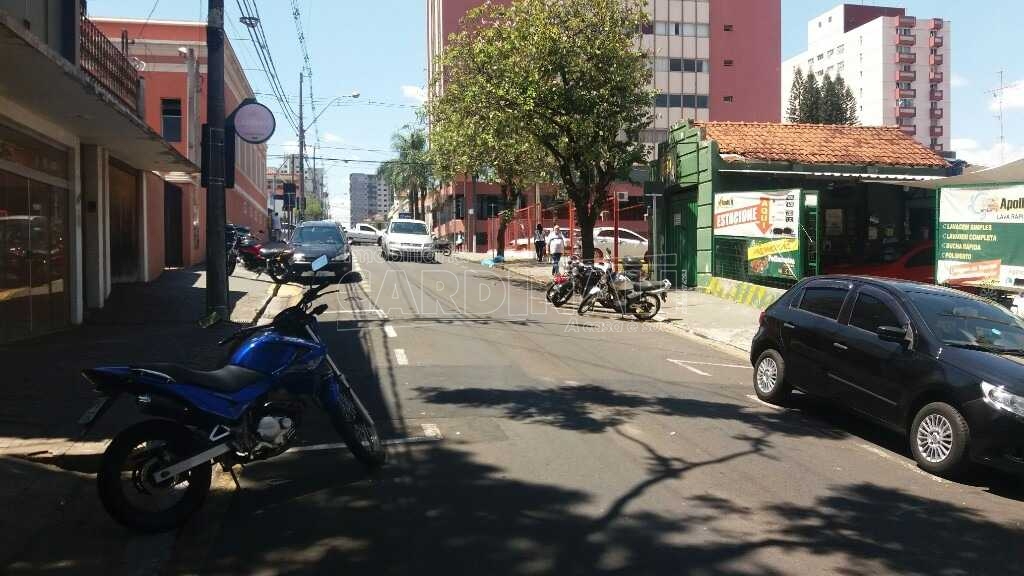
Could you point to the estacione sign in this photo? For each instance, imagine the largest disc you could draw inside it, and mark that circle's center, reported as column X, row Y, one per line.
column 760, row 214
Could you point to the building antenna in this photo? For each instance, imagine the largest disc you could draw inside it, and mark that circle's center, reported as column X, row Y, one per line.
column 998, row 93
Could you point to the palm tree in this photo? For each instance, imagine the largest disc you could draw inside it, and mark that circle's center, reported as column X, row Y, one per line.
column 410, row 171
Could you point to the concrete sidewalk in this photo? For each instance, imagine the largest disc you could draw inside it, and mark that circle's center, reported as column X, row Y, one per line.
column 53, row 519
column 692, row 311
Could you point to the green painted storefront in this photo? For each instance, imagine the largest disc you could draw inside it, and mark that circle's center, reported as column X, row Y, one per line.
column 691, row 176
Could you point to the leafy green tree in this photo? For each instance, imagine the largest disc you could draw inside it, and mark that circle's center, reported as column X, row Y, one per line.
column 810, row 100
column 575, row 80
column 314, row 209
column 469, row 134
column 795, row 91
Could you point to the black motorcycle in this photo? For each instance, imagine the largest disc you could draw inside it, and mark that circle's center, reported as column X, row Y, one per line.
column 271, row 258
column 620, row 293
column 580, row 278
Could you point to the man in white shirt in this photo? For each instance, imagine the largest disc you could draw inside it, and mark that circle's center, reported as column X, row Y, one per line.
column 556, row 245
column 275, row 226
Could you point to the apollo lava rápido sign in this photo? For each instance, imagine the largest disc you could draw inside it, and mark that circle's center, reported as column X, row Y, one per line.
column 253, row 122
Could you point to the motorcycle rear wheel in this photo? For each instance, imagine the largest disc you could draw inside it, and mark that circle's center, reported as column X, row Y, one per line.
column 360, row 436
column 558, row 295
column 647, row 307
column 127, row 489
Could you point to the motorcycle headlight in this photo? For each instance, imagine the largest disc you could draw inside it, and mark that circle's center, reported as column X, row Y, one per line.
column 1000, row 399
column 298, row 257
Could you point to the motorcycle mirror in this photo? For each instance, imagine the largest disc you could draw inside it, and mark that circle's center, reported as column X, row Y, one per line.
column 319, row 263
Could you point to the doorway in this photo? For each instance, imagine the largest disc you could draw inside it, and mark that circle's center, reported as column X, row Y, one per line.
column 681, row 239
column 124, row 223
column 172, row 226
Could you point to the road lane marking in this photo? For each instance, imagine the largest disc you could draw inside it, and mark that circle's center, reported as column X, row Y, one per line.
column 688, row 367
column 400, row 356
column 695, row 363
column 765, row 404
column 375, row 311
column 431, row 430
column 390, row 331
column 908, row 465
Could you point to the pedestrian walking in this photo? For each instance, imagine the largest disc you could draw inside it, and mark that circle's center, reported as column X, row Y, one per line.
column 539, row 242
column 556, row 245
column 460, row 239
column 275, row 227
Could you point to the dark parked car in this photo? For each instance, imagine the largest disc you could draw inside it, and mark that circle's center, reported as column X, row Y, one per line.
column 942, row 366
column 313, row 239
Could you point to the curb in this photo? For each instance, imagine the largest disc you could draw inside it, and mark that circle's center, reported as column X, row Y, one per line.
column 284, row 295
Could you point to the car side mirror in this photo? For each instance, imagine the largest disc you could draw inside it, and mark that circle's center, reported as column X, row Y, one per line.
column 896, row 334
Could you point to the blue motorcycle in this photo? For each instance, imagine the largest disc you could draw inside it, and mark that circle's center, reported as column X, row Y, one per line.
column 155, row 475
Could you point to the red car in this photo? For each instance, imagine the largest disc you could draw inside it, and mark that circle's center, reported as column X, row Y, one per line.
column 917, row 263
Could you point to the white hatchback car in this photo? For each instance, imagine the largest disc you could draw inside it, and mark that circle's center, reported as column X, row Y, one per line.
column 631, row 244
column 405, row 237
column 364, row 234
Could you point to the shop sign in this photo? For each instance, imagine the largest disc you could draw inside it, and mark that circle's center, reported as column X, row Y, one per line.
column 761, row 214
column 774, row 258
column 980, row 240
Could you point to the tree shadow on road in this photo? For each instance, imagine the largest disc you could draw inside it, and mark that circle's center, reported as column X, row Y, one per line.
column 594, row 408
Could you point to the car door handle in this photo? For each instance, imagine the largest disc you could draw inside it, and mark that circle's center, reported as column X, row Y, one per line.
column 788, row 325
column 840, row 346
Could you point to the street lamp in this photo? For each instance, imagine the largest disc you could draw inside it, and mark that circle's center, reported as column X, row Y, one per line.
column 354, row 95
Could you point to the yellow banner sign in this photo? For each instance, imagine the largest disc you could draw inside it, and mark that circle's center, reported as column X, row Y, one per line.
column 773, row 247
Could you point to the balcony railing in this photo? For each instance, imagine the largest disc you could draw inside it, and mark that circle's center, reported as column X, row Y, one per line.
column 935, row 95
column 108, row 65
column 906, row 93
column 935, row 76
column 904, row 76
column 935, row 24
column 935, row 59
column 935, row 131
column 906, row 58
column 909, row 130
column 935, row 41
column 936, row 113
column 907, row 22
column 906, row 111
column 906, row 40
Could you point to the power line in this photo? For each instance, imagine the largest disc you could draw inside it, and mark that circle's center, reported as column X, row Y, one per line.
column 357, row 102
column 254, row 27
column 148, row 16
column 358, row 160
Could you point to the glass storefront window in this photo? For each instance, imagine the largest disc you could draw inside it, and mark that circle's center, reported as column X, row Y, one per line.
column 33, row 257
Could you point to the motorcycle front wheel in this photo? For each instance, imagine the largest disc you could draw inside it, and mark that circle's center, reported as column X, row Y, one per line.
column 586, row 305
column 360, row 436
column 232, row 262
column 647, row 307
column 130, row 493
column 277, row 271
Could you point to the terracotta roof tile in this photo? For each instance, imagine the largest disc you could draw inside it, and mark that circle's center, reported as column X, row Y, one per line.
column 821, row 144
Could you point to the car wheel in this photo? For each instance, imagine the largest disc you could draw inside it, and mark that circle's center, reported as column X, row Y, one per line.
column 939, row 438
column 770, row 378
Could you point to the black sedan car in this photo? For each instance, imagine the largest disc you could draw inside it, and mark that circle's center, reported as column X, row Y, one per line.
column 313, row 239
column 942, row 366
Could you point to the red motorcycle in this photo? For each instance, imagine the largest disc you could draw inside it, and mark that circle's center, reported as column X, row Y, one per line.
column 271, row 257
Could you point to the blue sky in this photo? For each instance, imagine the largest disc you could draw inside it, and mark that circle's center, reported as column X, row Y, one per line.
column 379, row 49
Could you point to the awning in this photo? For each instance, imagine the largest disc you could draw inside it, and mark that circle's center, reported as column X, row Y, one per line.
column 1011, row 173
column 39, row 79
column 910, row 179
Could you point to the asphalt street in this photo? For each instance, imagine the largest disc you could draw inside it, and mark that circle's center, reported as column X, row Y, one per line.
column 525, row 439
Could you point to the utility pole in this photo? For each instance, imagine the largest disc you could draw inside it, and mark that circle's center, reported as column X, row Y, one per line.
column 998, row 93
column 216, row 264
column 302, row 152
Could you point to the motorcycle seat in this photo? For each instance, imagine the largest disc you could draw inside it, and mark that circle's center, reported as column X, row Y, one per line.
column 228, row 379
column 647, row 285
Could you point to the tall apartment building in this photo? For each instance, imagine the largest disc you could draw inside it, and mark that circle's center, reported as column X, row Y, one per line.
column 359, row 193
column 897, row 66
column 712, row 60
column 381, row 201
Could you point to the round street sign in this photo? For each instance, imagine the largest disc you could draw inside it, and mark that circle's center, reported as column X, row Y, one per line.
column 254, row 122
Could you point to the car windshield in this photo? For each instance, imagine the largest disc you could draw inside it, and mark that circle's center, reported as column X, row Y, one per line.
column 409, row 228
column 317, row 235
column 966, row 322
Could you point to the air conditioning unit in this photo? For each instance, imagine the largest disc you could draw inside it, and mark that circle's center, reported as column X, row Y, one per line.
column 623, row 196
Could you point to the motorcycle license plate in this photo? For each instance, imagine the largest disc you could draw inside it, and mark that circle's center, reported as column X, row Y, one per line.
column 93, row 411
